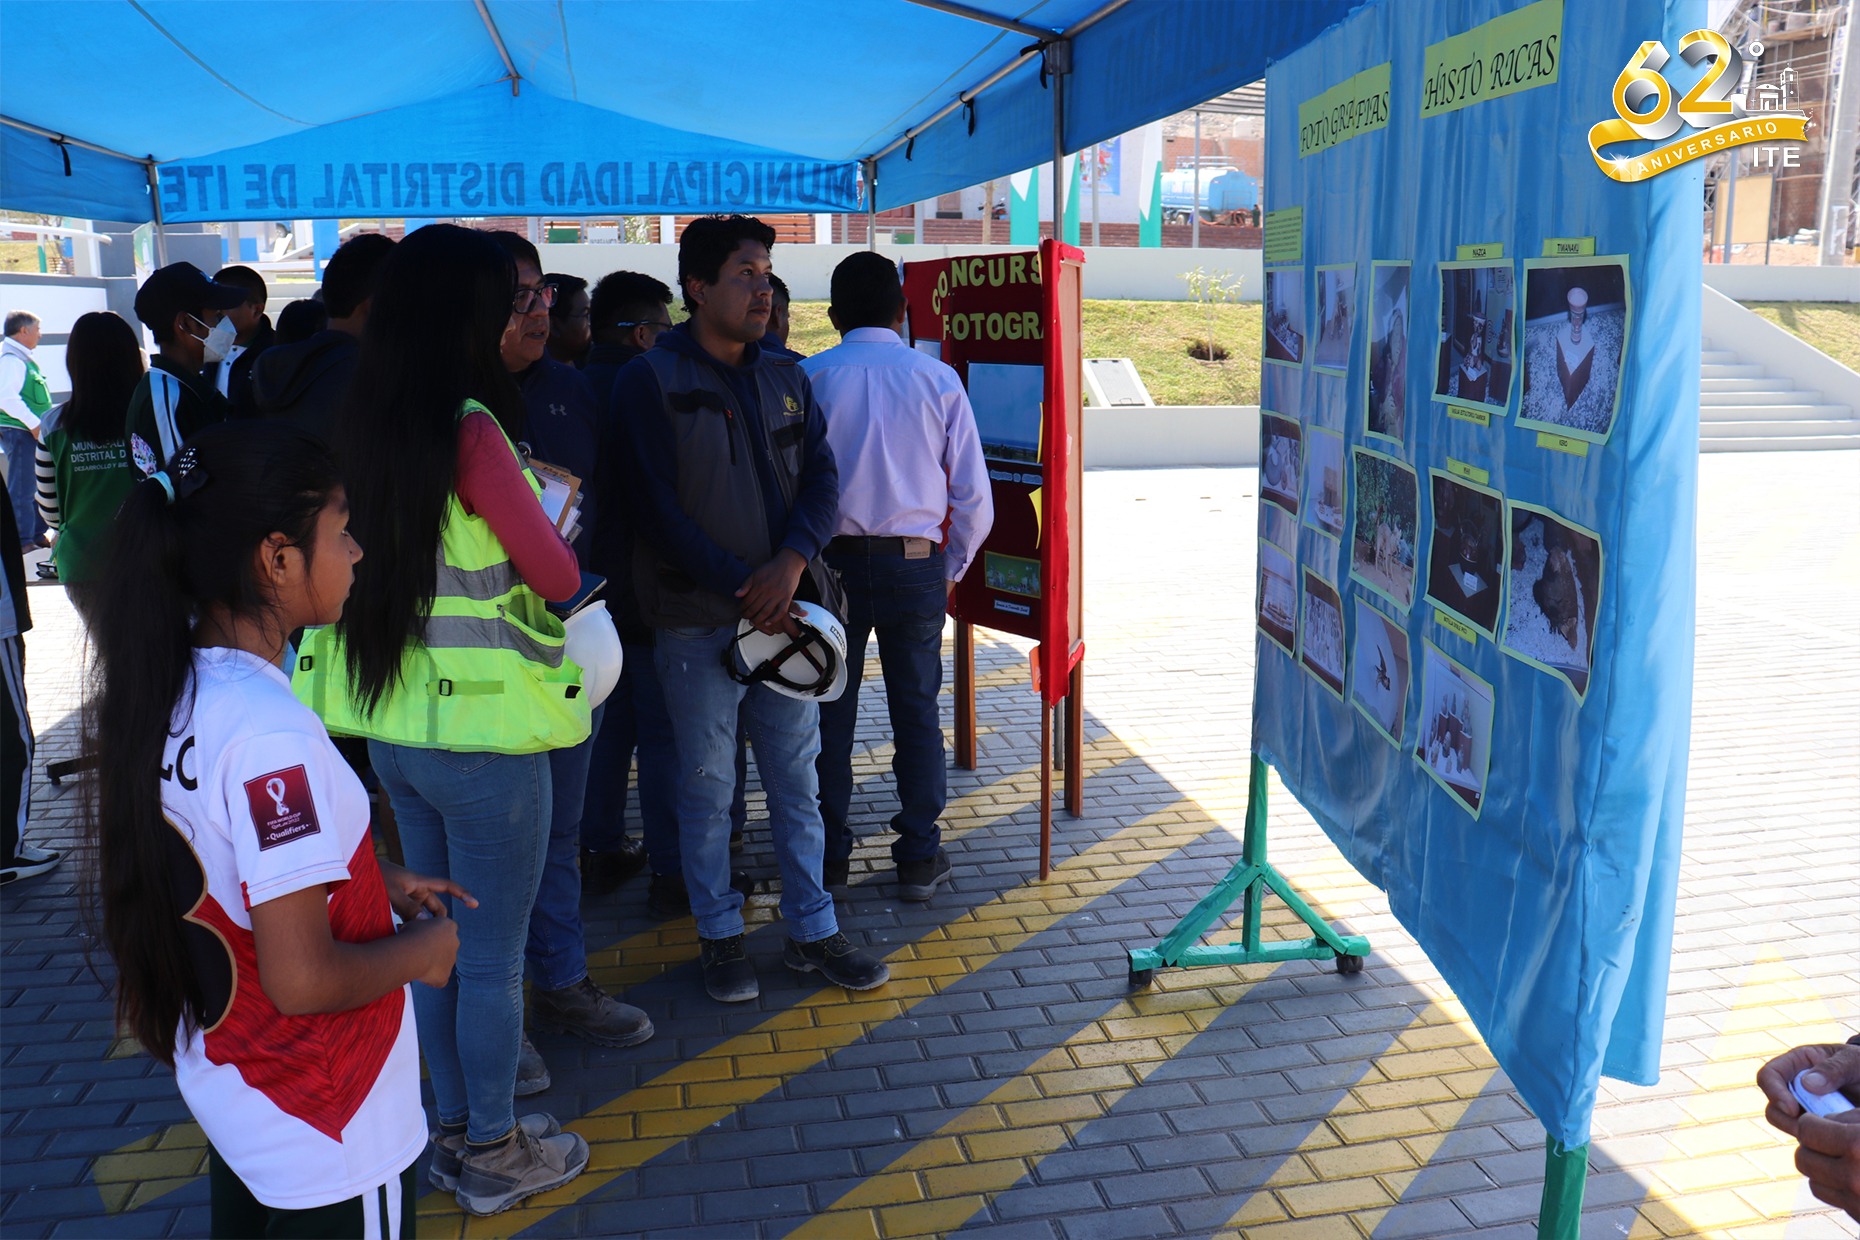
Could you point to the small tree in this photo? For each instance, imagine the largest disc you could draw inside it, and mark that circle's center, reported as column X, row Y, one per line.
column 1212, row 288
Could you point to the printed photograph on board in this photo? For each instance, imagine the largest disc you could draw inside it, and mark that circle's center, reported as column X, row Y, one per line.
column 1575, row 333
column 1554, row 590
column 1379, row 671
column 1006, row 399
column 1388, row 350
column 1320, row 645
column 1285, row 316
column 1455, row 741
column 1466, row 556
column 1011, row 574
column 1278, row 596
column 1336, row 294
column 1323, row 503
column 1474, row 366
column 1281, row 460
column 1382, row 532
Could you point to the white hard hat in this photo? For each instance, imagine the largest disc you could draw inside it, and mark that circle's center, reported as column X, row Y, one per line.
column 591, row 641
column 810, row 666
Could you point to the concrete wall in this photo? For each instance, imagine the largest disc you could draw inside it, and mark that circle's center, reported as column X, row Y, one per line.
column 1730, row 326
column 58, row 301
column 1171, row 435
column 1115, row 274
column 1741, row 283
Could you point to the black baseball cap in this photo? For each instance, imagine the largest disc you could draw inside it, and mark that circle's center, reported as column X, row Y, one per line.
column 181, row 288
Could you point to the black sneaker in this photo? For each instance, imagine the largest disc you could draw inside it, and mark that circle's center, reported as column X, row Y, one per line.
column 838, row 961
column 835, row 875
column 728, row 975
column 918, row 880
column 602, row 871
column 667, row 897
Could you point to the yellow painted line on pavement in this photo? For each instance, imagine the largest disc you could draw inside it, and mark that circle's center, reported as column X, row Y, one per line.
column 1725, row 1167
column 1357, row 1163
column 690, row 1096
column 940, row 1183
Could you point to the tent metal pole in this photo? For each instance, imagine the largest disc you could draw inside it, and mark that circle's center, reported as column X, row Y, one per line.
column 1059, row 65
column 161, row 232
column 989, row 19
column 1194, row 239
column 871, row 203
column 510, row 68
column 78, row 142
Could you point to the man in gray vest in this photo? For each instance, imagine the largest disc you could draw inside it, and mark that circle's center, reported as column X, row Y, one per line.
column 734, row 492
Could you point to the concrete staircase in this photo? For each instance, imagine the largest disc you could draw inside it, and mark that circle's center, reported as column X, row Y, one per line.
column 1744, row 409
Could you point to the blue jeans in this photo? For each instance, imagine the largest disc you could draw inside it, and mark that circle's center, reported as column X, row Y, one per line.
column 22, row 481
column 482, row 820
column 705, row 705
column 557, row 949
column 635, row 721
column 903, row 601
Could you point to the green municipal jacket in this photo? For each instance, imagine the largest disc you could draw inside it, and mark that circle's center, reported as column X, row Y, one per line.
column 34, row 391
column 93, row 479
column 487, row 674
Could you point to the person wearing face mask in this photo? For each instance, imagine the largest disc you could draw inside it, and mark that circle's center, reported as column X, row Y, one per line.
column 186, row 313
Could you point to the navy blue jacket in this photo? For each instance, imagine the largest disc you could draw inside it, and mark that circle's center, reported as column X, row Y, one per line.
column 565, row 429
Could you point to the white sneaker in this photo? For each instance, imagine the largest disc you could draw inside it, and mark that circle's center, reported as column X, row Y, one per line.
column 29, row 861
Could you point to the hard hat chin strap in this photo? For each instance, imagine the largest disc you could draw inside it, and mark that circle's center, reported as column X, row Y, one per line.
column 809, row 646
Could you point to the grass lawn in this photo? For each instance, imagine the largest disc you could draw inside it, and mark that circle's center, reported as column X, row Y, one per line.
column 1156, row 335
column 1831, row 326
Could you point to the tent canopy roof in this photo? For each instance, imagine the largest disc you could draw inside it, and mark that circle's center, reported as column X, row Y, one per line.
column 816, row 80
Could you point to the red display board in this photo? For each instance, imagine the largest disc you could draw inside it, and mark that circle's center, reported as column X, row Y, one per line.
column 1009, row 324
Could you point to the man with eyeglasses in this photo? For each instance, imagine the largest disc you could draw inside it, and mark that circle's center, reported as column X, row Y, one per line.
column 563, row 429
column 182, row 309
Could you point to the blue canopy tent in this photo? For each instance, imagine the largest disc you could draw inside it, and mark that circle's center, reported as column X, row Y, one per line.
column 172, row 110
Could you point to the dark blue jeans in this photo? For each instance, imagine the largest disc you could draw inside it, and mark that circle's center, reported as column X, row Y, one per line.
column 635, row 721
column 902, row 601
column 557, row 947
column 22, row 481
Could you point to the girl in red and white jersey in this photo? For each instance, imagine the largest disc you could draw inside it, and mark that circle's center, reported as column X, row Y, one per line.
column 240, row 894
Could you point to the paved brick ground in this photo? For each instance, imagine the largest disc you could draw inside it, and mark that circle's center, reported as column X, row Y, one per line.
column 1006, row 1083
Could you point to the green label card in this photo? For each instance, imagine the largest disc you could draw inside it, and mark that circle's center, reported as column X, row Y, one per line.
column 1472, row 473
column 1456, row 626
column 1466, row 252
column 1568, row 247
column 1562, row 443
column 1347, row 110
column 1516, row 52
column 1478, row 417
column 1285, row 236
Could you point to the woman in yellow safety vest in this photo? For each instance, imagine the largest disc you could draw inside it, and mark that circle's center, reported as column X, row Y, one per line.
column 448, row 662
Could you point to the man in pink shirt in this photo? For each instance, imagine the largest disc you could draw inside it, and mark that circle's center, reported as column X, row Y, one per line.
column 904, row 435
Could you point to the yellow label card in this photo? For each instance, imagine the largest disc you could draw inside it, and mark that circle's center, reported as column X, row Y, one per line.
column 1568, row 247
column 1351, row 108
column 1465, row 252
column 1472, row 473
column 1285, row 236
column 1520, row 50
column 1478, row 417
column 1456, row 626
column 1562, row 443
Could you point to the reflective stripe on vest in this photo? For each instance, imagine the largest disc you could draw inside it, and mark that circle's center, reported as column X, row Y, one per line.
column 487, row 673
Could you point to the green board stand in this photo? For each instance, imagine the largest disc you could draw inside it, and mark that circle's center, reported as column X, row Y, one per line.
column 1566, row 1171
column 1248, row 881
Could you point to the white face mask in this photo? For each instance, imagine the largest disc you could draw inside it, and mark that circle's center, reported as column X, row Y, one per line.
column 219, row 340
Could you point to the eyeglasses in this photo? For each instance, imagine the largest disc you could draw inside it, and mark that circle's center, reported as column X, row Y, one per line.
column 527, row 299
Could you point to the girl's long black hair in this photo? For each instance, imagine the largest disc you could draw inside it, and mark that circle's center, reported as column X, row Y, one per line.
column 105, row 361
column 431, row 343
column 167, row 563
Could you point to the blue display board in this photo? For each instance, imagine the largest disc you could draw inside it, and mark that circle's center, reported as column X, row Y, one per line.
column 1478, row 483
